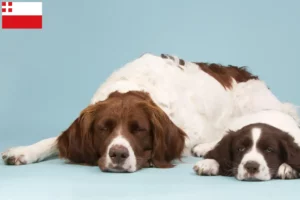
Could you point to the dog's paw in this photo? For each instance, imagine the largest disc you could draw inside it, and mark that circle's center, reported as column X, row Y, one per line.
column 207, row 167
column 287, row 172
column 19, row 156
column 202, row 149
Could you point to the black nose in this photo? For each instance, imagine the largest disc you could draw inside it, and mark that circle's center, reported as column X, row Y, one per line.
column 118, row 154
column 252, row 167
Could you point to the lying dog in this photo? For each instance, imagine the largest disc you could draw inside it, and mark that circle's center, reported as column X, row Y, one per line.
column 258, row 146
column 153, row 110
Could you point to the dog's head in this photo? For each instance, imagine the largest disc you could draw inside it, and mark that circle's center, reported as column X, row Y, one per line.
column 255, row 152
column 123, row 133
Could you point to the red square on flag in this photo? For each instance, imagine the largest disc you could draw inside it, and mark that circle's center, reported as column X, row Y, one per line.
column 22, row 15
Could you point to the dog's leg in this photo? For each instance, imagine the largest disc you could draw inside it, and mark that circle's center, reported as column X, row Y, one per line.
column 33, row 153
column 209, row 167
column 201, row 149
column 287, row 172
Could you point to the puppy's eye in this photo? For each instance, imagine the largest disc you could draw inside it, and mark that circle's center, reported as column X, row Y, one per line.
column 269, row 150
column 241, row 149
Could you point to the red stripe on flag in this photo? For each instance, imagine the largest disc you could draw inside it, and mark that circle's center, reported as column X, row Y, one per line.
column 21, row 22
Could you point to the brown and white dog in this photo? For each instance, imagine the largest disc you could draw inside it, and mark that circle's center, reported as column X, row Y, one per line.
column 258, row 146
column 153, row 110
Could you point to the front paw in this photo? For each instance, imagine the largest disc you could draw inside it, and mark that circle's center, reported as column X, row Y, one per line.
column 208, row 167
column 287, row 172
column 201, row 149
column 18, row 156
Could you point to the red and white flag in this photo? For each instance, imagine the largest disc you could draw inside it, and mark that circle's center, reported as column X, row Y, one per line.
column 22, row 15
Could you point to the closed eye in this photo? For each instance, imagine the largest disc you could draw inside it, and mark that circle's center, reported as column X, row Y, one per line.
column 138, row 130
column 106, row 125
column 103, row 129
column 135, row 127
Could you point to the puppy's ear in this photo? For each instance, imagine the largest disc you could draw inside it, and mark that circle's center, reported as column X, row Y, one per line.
column 291, row 152
column 76, row 144
column 222, row 153
column 168, row 139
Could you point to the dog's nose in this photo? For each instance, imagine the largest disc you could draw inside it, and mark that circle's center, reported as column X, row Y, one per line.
column 118, row 154
column 252, row 167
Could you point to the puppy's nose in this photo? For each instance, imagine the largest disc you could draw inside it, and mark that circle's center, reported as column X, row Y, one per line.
column 118, row 154
column 252, row 167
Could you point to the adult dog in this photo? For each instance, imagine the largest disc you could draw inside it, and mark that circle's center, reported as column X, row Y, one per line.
column 153, row 110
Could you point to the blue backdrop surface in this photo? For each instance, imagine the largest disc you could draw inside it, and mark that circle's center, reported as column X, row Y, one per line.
column 48, row 76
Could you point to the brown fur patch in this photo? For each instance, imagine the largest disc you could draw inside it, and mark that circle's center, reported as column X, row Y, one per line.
column 225, row 74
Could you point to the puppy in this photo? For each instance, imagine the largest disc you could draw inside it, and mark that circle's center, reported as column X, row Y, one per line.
column 259, row 146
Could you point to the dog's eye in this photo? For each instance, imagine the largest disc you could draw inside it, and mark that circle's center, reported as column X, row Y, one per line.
column 241, row 149
column 106, row 126
column 103, row 129
column 138, row 130
column 269, row 150
column 134, row 127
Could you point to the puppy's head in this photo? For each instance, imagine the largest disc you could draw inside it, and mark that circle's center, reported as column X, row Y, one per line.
column 255, row 152
column 123, row 133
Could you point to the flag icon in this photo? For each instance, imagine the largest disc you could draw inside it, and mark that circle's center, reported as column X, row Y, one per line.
column 22, row 15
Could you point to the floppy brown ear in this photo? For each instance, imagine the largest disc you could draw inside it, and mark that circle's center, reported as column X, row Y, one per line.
column 222, row 153
column 168, row 139
column 76, row 143
column 291, row 152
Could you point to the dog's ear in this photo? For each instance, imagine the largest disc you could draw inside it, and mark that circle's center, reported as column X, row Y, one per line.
column 291, row 152
column 168, row 139
column 76, row 144
column 222, row 153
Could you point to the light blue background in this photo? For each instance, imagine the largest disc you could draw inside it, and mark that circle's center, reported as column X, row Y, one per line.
column 47, row 76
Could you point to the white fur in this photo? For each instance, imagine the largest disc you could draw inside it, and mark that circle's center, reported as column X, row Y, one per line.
column 287, row 172
column 32, row 153
column 194, row 100
column 130, row 163
column 282, row 120
column 254, row 155
column 207, row 167
column 277, row 119
column 202, row 149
